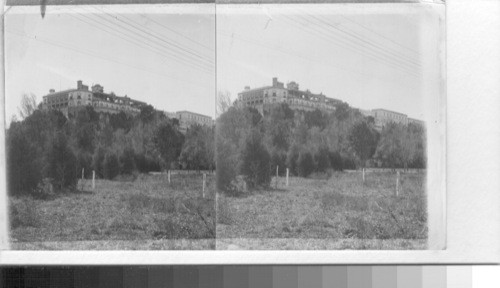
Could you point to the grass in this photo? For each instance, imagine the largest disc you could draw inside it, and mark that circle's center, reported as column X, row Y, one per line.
column 117, row 214
column 323, row 212
column 340, row 212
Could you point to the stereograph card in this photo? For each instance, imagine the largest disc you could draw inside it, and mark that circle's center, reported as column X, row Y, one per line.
column 211, row 133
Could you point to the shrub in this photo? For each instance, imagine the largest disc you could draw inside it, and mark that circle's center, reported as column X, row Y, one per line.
column 127, row 161
column 305, row 164
column 348, row 163
column 60, row 163
column 98, row 161
column 226, row 164
column 255, row 161
column 335, row 161
column 23, row 173
column 84, row 161
column 321, row 160
column 278, row 158
column 111, row 166
column 291, row 160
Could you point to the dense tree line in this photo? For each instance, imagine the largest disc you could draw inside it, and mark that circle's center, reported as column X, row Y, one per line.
column 47, row 146
column 251, row 145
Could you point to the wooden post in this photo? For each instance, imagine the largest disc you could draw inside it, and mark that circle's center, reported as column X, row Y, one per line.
column 204, row 183
column 287, row 171
column 277, row 176
column 168, row 175
column 83, row 172
column 93, row 179
column 363, row 175
column 397, row 184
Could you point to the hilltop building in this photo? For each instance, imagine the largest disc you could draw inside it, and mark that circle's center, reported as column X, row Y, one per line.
column 383, row 116
column 70, row 100
column 187, row 118
column 264, row 97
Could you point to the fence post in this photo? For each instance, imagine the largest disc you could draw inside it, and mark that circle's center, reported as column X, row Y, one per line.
column 83, row 171
column 168, row 175
column 204, row 183
column 363, row 175
column 287, row 171
column 277, row 176
column 397, row 184
column 93, row 179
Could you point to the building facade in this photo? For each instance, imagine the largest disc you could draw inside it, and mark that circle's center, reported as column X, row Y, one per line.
column 383, row 116
column 71, row 100
column 188, row 118
column 263, row 98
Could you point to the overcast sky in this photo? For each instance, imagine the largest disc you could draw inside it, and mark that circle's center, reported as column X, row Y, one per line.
column 163, row 57
column 368, row 57
column 371, row 56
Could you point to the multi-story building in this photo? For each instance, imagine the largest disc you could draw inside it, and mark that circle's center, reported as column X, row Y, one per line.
column 187, row 118
column 415, row 121
column 383, row 116
column 68, row 101
column 264, row 97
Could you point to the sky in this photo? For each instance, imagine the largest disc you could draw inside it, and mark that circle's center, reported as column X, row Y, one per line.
column 175, row 57
column 165, row 57
column 368, row 57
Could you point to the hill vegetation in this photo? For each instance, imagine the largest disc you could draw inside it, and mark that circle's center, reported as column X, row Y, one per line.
column 48, row 151
column 308, row 142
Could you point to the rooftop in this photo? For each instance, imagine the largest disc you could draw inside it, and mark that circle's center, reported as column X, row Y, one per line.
column 194, row 113
column 385, row 110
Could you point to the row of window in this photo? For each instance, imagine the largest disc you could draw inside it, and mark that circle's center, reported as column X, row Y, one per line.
column 197, row 118
column 55, row 100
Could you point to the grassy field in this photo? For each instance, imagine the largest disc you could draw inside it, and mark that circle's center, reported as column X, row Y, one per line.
column 337, row 212
column 146, row 213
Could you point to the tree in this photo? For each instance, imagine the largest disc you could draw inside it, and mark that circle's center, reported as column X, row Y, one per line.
column 197, row 151
column 98, row 160
column 127, row 161
column 278, row 127
column 60, row 162
column 147, row 114
column 315, row 118
column 336, row 162
column 401, row 146
column 363, row 139
column 111, row 166
column 342, row 111
column 28, row 105
column 223, row 102
column 292, row 159
column 86, row 123
column 231, row 131
column 255, row 161
column 168, row 141
column 120, row 121
column 322, row 159
column 305, row 164
column 23, row 172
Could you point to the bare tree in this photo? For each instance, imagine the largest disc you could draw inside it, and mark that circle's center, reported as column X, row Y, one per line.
column 223, row 102
column 28, row 105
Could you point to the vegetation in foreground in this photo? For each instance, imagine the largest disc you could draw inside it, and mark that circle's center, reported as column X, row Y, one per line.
column 148, row 209
column 321, row 212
